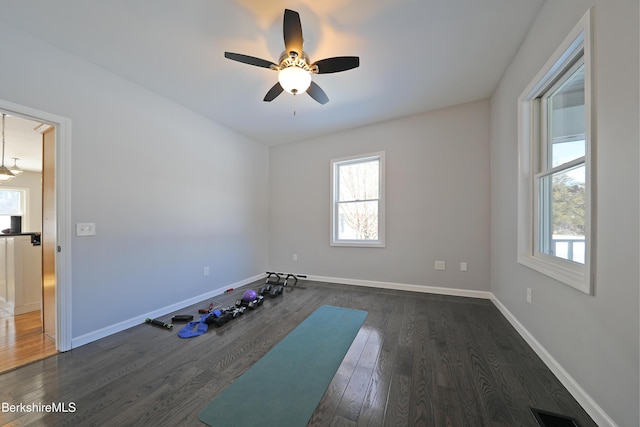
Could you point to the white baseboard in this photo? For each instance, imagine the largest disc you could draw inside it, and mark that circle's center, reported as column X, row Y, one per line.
column 26, row 308
column 588, row 404
column 404, row 287
column 134, row 321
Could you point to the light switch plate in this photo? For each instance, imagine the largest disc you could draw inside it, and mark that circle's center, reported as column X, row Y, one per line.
column 85, row 229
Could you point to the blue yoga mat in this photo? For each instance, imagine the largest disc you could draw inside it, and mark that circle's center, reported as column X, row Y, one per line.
column 285, row 386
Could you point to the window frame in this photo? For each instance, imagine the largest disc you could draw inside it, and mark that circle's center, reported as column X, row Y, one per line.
column 533, row 163
column 334, row 208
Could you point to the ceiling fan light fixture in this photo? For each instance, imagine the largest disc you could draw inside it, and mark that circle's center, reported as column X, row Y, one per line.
column 294, row 79
column 294, row 67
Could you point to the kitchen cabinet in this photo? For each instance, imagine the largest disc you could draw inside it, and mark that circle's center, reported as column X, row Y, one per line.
column 20, row 274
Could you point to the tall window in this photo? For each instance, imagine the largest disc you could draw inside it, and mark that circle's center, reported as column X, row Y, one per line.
column 357, row 210
column 12, row 202
column 555, row 140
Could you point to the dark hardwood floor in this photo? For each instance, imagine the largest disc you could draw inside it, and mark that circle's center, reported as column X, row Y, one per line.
column 419, row 360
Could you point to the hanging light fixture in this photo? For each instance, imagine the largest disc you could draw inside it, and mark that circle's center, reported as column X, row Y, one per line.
column 5, row 174
column 15, row 169
column 294, row 79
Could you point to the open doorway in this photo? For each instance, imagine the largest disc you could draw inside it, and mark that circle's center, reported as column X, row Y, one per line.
column 27, row 272
column 53, row 323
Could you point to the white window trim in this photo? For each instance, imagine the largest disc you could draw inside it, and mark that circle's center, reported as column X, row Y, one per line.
column 333, row 239
column 578, row 276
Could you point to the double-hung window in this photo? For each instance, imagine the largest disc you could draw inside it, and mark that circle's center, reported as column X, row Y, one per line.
column 561, row 179
column 357, row 208
column 555, row 193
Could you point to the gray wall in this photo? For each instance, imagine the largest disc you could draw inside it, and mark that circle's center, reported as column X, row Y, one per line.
column 169, row 190
column 595, row 338
column 437, row 206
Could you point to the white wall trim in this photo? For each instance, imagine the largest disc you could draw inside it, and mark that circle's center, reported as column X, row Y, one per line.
column 588, row 404
column 25, row 308
column 404, row 287
column 137, row 320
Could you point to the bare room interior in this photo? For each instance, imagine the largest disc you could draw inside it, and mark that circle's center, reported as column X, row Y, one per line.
column 460, row 177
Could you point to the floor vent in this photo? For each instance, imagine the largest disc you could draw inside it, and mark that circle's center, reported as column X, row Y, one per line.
column 549, row 419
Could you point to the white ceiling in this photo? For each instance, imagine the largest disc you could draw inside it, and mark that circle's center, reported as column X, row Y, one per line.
column 24, row 142
column 415, row 55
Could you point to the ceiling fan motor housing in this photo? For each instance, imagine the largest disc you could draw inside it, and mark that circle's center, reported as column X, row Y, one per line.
column 295, row 60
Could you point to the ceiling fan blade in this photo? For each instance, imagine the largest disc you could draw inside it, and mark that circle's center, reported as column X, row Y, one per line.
column 337, row 64
column 317, row 93
column 251, row 60
column 273, row 92
column 292, row 29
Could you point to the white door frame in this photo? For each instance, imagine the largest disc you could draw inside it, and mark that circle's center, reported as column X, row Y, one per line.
column 63, row 215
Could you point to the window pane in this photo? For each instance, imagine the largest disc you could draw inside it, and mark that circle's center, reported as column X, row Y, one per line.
column 562, row 214
column 358, row 221
column 10, row 203
column 566, row 116
column 359, row 181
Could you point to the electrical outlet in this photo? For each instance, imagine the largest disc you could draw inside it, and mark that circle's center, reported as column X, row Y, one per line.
column 440, row 265
column 295, row 257
column 529, row 295
column 205, row 271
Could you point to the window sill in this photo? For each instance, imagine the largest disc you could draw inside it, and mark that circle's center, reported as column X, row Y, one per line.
column 570, row 273
column 359, row 244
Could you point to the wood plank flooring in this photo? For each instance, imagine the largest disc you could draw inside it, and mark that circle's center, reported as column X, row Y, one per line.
column 22, row 340
column 418, row 360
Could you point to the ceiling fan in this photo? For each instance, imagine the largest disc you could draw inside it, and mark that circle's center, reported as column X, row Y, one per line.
column 294, row 67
